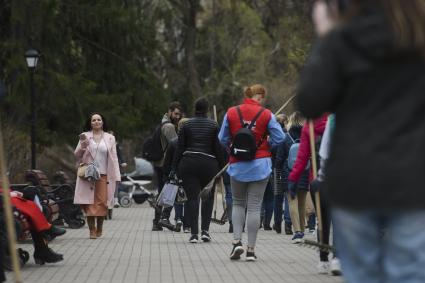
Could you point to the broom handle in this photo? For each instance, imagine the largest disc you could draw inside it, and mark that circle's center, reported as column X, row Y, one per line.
column 314, row 167
column 215, row 190
column 221, row 180
column 223, row 194
column 8, row 214
column 284, row 105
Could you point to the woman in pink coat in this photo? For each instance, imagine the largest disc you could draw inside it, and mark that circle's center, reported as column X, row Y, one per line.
column 96, row 145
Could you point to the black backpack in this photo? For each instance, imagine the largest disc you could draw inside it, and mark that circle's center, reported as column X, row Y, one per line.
column 152, row 148
column 244, row 145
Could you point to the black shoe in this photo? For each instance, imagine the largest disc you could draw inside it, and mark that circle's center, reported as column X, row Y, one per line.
column 237, row 251
column 167, row 224
column 288, row 229
column 250, row 256
column 277, row 228
column 155, row 226
column 47, row 255
column 205, row 236
column 267, row 227
column 53, row 232
column 193, row 239
column 230, row 228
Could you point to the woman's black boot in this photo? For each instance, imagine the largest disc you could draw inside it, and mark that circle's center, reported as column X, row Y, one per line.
column 42, row 253
column 47, row 255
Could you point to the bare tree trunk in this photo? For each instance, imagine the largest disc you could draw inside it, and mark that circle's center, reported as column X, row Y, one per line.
column 190, row 48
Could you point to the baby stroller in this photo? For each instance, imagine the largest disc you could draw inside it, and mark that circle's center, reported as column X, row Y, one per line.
column 133, row 185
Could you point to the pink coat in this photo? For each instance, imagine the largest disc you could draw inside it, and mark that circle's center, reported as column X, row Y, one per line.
column 83, row 192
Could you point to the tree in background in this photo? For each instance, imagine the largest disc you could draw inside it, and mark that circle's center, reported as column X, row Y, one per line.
column 138, row 55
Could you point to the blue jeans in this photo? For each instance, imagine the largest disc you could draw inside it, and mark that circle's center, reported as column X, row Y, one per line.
column 286, row 214
column 368, row 256
column 178, row 212
column 280, row 201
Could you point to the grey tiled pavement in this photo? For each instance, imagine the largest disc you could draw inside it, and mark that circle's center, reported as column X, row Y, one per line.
column 130, row 252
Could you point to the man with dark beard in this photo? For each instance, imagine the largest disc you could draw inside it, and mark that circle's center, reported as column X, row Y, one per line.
column 169, row 124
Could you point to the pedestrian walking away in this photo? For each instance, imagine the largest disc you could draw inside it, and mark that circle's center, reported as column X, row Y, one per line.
column 197, row 160
column 249, row 173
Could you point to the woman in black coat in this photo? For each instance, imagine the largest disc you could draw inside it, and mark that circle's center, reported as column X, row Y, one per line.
column 370, row 72
column 198, row 158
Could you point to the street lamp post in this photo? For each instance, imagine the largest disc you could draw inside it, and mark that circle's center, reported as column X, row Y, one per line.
column 32, row 58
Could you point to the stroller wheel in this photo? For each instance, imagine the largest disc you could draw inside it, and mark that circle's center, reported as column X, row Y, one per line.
column 125, row 201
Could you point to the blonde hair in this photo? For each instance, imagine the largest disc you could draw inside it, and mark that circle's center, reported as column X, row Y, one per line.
column 181, row 122
column 255, row 89
column 296, row 119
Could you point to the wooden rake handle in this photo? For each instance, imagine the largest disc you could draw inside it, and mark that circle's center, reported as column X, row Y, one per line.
column 314, row 167
column 8, row 213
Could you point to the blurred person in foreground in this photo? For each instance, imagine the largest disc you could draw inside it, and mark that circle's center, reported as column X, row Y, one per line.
column 368, row 68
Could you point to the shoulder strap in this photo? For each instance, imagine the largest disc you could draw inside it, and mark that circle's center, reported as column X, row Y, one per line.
column 256, row 117
column 240, row 115
column 293, row 141
column 160, row 135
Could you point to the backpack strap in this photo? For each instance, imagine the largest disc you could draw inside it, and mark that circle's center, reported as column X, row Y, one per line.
column 293, row 141
column 160, row 135
column 240, row 116
column 256, row 117
column 252, row 122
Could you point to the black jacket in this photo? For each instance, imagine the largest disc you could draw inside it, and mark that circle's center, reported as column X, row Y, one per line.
column 281, row 160
column 377, row 159
column 199, row 134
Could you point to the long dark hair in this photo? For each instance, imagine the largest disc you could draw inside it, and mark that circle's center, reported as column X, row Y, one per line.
column 87, row 125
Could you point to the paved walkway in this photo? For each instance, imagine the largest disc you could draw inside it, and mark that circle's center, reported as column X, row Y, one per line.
column 131, row 252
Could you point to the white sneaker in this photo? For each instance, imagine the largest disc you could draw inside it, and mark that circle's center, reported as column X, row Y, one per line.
column 323, row 267
column 116, row 203
column 335, row 267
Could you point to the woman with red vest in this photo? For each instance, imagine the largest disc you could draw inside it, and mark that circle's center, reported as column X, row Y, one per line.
column 249, row 178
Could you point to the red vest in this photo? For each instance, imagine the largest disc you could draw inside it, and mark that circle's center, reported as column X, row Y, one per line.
column 249, row 109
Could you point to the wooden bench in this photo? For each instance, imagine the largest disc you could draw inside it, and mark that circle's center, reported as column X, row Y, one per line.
column 48, row 201
column 62, row 195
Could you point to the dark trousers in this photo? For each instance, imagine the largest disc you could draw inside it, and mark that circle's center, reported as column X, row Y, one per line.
column 278, row 209
column 267, row 205
column 165, row 214
column 326, row 223
column 196, row 171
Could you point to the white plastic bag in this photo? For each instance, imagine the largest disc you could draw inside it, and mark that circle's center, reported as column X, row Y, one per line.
column 168, row 195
